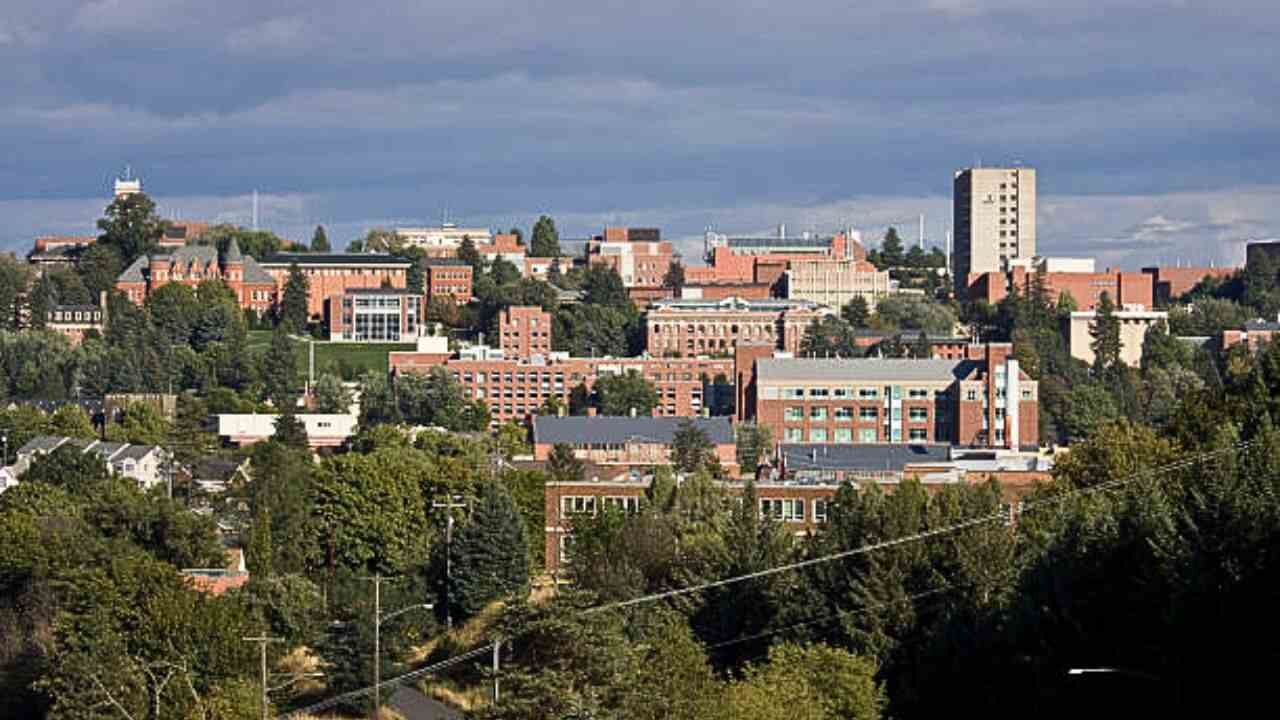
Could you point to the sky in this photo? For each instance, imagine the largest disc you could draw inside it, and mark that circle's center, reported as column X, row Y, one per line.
column 1154, row 124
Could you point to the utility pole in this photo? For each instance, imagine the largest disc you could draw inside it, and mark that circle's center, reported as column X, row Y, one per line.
column 448, row 506
column 262, row 641
column 377, row 642
column 497, row 649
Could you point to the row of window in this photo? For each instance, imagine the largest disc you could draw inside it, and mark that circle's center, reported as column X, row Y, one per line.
column 784, row 509
column 819, row 414
column 846, row 435
column 862, row 393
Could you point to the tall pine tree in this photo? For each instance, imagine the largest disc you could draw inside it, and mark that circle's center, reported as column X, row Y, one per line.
column 546, row 240
column 490, row 553
column 293, row 306
column 320, row 241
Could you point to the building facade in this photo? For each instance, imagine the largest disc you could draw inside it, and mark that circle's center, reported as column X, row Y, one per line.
column 994, row 221
column 74, row 321
column 446, row 235
column 639, row 255
column 375, row 315
column 191, row 265
column 629, row 441
column 447, row 278
column 835, row 283
column 1171, row 283
column 524, row 331
column 984, row 400
column 1085, row 288
column 1134, row 323
column 764, row 259
column 715, row 327
column 330, row 274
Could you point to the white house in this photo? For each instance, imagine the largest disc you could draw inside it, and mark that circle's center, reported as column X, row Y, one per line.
column 147, row 464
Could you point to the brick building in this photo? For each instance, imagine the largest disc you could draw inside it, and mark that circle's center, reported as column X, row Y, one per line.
column 984, row 400
column 524, row 331
column 330, row 274
column 1256, row 334
column 835, row 283
column 1086, row 288
column 639, row 255
column 448, row 278
column 191, row 265
column 628, row 441
column 375, row 315
column 539, row 268
column 1171, row 283
column 764, row 259
column 697, row 327
column 73, row 321
column 514, row 389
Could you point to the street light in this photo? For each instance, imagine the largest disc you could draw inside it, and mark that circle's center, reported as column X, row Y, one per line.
column 378, row 617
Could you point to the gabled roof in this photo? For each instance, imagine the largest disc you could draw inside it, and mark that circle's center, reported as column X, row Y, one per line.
column 42, row 444
column 619, row 430
column 133, row 273
column 253, row 273
column 862, row 369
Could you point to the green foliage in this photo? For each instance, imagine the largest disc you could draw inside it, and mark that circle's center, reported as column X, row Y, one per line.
column 280, row 373
column 99, row 267
column 320, row 241
column 15, row 278
column 253, row 243
column 828, row 337
column 691, row 448
column 563, row 466
column 545, row 241
column 332, row 396
column 142, row 424
column 856, row 313
column 905, row 312
column 72, row 421
column 674, row 278
column 293, row 302
column 813, row 681
column 490, row 553
column 1105, row 331
column 130, row 227
column 753, row 442
column 624, row 394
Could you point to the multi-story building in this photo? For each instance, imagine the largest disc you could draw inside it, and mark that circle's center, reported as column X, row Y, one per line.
column 639, row 255
column 323, row 429
column 191, row 265
column 1255, row 334
column 447, row 235
column 763, row 259
column 375, row 315
column 330, row 274
column 701, row 327
column 506, row 247
column 1171, row 283
column 1134, row 322
column 1080, row 282
column 514, row 389
column 628, row 441
column 995, row 220
column 524, row 331
column 447, row 278
column 984, row 400
column 835, row 283
column 74, row 321
column 539, row 268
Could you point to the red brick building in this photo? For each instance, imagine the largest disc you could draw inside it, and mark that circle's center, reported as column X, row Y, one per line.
column 1171, row 283
column 639, row 255
column 330, row 274
column 1086, row 288
column 447, row 278
column 715, row 327
column 628, row 441
column 764, row 259
column 524, row 331
column 191, row 265
column 514, row 389
column 1256, row 334
column 984, row 400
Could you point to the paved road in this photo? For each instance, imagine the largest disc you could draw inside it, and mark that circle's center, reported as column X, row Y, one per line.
column 415, row 706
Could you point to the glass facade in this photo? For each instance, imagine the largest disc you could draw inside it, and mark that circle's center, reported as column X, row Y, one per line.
column 379, row 318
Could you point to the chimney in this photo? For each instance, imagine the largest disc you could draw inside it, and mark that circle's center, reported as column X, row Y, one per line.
column 591, row 412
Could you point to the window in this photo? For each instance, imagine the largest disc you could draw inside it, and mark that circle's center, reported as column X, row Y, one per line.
column 818, row 392
column 577, row 504
column 844, row 435
column 628, row 505
column 817, row 413
column 792, row 393
column 785, row 509
column 818, row 435
column 917, row 393
column 971, row 395
column 868, row 393
column 793, row 414
column 867, row 413
column 918, row 414
column 844, row 413
column 918, row 434
column 794, row 435
column 566, row 544
column 867, row 435
column 840, row 392
column 820, row 510
column 1026, row 394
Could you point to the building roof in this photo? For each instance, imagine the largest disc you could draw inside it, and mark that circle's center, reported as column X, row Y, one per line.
column 869, row 458
column 133, row 273
column 613, row 430
column 757, row 243
column 42, row 444
column 253, row 273
column 233, row 252
column 734, row 303
column 450, row 262
column 861, row 369
column 335, row 259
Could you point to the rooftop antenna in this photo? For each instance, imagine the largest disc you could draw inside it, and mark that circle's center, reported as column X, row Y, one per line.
column 921, row 231
column 255, row 210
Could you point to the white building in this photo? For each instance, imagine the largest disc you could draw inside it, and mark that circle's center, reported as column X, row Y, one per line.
column 323, row 430
column 446, row 235
column 1134, row 323
column 149, row 465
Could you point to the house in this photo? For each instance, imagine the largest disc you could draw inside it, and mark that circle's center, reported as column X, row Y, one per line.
column 149, row 465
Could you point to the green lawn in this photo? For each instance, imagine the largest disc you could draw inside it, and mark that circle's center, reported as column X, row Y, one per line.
column 354, row 358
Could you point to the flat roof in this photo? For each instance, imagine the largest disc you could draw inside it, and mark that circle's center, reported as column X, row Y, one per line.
column 861, row 369
column 618, row 430
column 885, row 457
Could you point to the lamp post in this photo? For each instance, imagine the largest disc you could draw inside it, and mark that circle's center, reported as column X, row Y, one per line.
column 5, row 438
column 378, row 617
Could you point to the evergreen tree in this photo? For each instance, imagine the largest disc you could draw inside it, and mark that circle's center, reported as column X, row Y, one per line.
column 293, row 305
column 1105, row 331
column 468, row 254
column 320, row 241
column 857, row 312
column 674, row 279
column 546, row 240
column 579, row 399
column 563, row 466
column 691, row 449
column 280, row 371
column 490, row 553
column 891, row 253
column 754, row 441
column 131, row 227
column 923, row 349
column 289, row 430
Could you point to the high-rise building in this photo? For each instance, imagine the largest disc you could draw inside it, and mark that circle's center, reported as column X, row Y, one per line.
column 995, row 220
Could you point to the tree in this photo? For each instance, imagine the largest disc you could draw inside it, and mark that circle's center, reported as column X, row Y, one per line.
column 563, row 466
column 294, row 312
column 142, row 424
column 72, row 421
column 903, row 312
column 490, row 552
column 503, row 272
column 130, row 226
column 280, row 371
column 579, row 399
column 40, row 303
column 174, row 310
column 625, row 394
column 891, row 249
column 15, row 278
column 320, row 241
column 602, row 285
column 1105, row 331
column 856, row 312
column 468, row 254
column 545, row 241
column 827, row 337
column 99, row 267
column 674, row 278
column 332, row 396
column 801, row 682
column 691, row 448
column 252, row 243
column 754, row 441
